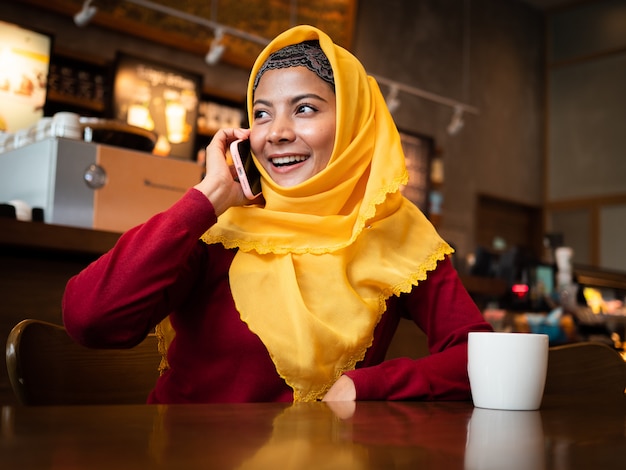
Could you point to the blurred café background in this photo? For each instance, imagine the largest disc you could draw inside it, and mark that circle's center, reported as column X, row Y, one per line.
column 512, row 114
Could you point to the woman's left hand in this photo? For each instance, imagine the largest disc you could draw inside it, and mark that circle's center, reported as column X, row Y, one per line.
column 342, row 390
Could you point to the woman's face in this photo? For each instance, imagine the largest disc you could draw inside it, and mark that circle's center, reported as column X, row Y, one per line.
column 293, row 128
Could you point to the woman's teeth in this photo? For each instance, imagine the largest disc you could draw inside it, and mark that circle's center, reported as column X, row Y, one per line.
column 289, row 160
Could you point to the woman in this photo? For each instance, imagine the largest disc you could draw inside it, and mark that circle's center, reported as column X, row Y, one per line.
column 295, row 297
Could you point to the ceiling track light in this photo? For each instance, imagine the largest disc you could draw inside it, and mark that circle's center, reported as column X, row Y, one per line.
column 217, row 48
column 392, row 100
column 215, row 53
column 164, row 9
column 85, row 15
column 457, row 122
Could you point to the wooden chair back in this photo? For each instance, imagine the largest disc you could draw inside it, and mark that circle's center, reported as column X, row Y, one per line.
column 46, row 367
column 585, row 368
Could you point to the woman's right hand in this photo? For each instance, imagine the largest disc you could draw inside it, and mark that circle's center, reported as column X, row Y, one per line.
column 219, row 184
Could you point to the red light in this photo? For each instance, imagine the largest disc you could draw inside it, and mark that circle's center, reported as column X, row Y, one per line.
column 520, row 290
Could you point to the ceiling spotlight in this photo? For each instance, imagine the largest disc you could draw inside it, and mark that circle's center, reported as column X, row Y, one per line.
column 392, row 100
column 217, row 48
column 84, row 16
column 456, row 123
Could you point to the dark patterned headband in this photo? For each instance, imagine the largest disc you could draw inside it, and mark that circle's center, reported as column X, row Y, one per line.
column 307, row 54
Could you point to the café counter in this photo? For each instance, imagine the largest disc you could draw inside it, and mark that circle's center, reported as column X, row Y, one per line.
column 86, row 195
column 37, row 259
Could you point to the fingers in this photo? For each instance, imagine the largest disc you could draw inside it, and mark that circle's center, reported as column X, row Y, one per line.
column 218, row 184
column 224, row 137
column 217, row 150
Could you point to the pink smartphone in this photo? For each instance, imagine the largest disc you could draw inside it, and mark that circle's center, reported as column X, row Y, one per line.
column 247, row 172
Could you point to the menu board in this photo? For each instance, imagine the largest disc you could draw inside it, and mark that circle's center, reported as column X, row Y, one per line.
column 158, row 98
column 24, row 64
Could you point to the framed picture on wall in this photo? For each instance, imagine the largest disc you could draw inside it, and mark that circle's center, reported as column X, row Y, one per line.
column 24, row 64
column 159, row 98
column 418, row 152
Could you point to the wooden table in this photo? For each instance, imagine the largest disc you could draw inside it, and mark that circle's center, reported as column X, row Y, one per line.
column 564, row 434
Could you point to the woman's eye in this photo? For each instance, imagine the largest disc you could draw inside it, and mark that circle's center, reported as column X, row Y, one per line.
column 259, row 114
column 306, row 108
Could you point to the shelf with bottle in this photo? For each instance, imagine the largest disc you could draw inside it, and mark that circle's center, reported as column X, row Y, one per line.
column 214, row 114
column 84, row 85
column 78, row 85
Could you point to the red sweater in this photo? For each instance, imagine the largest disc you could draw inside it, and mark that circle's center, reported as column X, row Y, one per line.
column 161, row 268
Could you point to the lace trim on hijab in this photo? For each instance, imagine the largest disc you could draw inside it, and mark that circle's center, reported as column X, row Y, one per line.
column 404, row 287
column 264, row 248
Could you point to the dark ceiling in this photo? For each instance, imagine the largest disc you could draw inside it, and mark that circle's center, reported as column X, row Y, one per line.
column 549, row 4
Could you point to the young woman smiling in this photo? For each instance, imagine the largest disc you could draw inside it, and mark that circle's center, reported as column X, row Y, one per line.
column 297, row 295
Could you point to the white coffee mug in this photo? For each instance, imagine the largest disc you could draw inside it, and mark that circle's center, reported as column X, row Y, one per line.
column 66, row 124
column 507, row 371
column 43, row 128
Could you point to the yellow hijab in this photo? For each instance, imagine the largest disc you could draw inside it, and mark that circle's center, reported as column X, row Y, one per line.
column 316, row 264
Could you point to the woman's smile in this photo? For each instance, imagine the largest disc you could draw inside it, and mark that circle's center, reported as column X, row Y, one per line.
column 285, row 164
column 287, row 160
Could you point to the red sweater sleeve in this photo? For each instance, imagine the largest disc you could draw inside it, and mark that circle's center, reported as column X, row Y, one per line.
column 120, row 297
column 443, row 309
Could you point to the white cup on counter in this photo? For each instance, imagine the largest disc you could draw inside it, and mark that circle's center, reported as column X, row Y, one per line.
column 4, row 137
column 507, row 371
column 7, row 141
column 22, row 138
column 23, row 210
column 65, row 124
column 43, row 128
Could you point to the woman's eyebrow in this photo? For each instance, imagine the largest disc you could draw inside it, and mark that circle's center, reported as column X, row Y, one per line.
column 262, row 102
column 293, row 100
column 304, row 96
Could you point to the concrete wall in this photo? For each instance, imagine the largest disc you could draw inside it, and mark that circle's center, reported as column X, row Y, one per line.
column 485, row 53
column 586, row 172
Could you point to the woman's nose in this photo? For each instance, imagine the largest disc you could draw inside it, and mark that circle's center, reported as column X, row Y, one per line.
column 281, row 130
